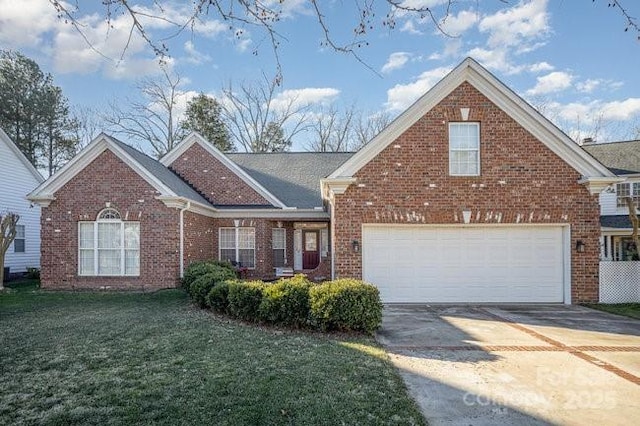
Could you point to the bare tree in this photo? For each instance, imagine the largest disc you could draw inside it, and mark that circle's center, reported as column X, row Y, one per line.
column 266, row 16
column 152, row 119
column 633, row 217
column 332, row 130
column 8, row 222
column 88, row 123
column 257, row 121
column 368, row 126
column 262, row 16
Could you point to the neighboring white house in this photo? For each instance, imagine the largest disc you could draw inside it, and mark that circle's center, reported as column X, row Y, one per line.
column 623, row 159
column 619, row 264
column 17, row 178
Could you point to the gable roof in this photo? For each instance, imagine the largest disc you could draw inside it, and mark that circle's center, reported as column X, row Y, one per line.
column 157, row 175
column 195, row 137
column 293, row 177
column 503, row 97
column 23, row 159
column 162, row 173
column 622, row 158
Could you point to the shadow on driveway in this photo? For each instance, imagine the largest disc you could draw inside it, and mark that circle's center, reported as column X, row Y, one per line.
column 516, row 364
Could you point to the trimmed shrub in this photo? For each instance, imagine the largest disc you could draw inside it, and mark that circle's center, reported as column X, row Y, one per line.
column 244, row 299
column 345, row 304
column 286, row 301
column 200, row 288
column 222, row 270
column 218, row 297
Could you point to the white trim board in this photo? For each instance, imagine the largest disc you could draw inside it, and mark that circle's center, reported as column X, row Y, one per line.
column 103, row 142
column 503, row 97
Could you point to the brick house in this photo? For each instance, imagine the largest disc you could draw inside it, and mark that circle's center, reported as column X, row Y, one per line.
column 470, row 195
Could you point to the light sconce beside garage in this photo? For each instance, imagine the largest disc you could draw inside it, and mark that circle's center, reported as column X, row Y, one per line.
column 356, row 245
column 580, row 246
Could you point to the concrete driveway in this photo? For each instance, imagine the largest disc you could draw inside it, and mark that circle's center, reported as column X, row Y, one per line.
column 488, row 365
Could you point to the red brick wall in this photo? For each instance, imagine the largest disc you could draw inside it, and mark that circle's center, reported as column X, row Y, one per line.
column 213, row 179
column 521, row 181
column 108, row 180
column 200, row 238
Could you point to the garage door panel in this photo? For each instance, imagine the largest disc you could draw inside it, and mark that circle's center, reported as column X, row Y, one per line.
column 470, row 264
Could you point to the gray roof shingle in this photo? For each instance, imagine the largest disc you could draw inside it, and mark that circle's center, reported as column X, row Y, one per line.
column 163, row 174
column 293, row 177
column 622, row 158
column 617, row 221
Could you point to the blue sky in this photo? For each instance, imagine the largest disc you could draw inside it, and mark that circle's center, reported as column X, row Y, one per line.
column 572, row 59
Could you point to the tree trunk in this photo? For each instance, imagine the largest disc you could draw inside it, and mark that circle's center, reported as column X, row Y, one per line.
column 633, row 217
column 1, row 270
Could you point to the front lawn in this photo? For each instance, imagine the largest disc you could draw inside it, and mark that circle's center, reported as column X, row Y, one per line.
column 631, row 310
column 118, row 358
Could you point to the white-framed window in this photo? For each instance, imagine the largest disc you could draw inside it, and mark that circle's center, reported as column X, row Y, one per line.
column 628, row 189
column 109, row 246
column 19, row 241
column 464, row 149
column 279, row 245
column 238, row 245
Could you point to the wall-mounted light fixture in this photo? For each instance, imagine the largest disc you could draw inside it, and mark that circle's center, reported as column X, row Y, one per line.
column 355, row 244
column 466, row 216
column 580, row 246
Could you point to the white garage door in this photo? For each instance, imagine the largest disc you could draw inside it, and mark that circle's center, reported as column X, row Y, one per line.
column 422, row 264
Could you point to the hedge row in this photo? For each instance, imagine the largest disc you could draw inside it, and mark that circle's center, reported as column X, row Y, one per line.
column 344, row 304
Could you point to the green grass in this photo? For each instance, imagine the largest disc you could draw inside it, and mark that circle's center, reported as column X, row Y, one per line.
column 125, row 358
column 631, row 310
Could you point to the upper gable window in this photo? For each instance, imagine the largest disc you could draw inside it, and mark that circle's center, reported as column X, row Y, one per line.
column 464, row 149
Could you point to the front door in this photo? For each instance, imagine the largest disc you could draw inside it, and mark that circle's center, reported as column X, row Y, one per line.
column 310, row 249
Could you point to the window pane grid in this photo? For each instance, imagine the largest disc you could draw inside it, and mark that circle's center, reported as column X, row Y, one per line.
column 237, row 245
column 109, row 248
column 464, row 149
column 18, row 242
column 279, row 244
column 627, row 189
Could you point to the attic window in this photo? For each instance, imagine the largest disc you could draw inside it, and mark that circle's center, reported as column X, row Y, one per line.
column 464, row 149
column 109, row 214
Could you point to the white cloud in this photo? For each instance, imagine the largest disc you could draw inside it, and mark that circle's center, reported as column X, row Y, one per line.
column 396, row 61
column 495, row 59
column 541, row 67
column 23, row 23
column 410, row 27
column 551, row 83
column 604, row 120
column 588, row 85
column 193, row 55
column 401, row 96
column 107, row 47
column 302, row 97
column 518, row 25
column 289, row 8
column 455, row 25
column 621, row 110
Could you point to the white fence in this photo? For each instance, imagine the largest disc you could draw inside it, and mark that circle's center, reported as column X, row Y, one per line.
column 619, row 282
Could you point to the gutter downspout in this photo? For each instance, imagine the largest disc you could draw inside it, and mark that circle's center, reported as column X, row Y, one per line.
column 182, row 238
